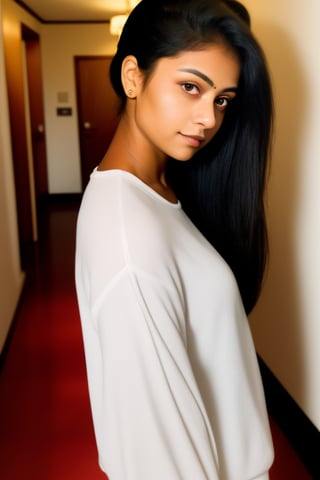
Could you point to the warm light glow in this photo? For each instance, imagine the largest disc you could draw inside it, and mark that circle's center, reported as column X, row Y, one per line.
column 116, row 24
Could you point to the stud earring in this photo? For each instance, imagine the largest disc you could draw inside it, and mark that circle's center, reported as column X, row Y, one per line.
column 130, row 93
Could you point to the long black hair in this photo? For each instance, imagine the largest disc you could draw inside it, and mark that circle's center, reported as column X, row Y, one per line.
column 222, row 187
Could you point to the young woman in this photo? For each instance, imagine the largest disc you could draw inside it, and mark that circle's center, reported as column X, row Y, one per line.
column 171, row 248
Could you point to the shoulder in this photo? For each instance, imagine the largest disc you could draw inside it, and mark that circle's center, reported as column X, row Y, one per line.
column 122, row 223
column 121, row 213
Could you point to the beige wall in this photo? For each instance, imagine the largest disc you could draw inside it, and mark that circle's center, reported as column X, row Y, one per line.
column 60, row 43
column 286, row 323
column 11, row 277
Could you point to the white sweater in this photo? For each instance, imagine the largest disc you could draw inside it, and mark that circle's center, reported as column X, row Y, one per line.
column 173, row 378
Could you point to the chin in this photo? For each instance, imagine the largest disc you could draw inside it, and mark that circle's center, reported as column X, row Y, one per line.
column 184, row 157
column 180, row 159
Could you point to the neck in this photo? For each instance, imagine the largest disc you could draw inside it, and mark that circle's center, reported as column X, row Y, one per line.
column 131, row 152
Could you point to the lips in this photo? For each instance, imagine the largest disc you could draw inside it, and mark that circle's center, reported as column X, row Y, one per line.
column 193, row 140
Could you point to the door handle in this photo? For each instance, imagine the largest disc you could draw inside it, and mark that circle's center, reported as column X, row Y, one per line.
column 86, row 125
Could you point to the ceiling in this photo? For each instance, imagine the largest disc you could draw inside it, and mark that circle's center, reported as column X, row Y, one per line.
column 76, row 10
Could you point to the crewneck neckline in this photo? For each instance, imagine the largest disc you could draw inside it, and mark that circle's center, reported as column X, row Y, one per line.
column 133, row 178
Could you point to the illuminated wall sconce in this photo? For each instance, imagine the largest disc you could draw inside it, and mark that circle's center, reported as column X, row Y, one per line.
column 117, row 23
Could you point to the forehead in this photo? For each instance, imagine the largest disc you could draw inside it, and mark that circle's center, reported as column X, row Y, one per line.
column 217, row 61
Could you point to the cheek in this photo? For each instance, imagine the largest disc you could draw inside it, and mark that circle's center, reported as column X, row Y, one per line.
column 162, row 114
column 148, row 107
column 167, row 107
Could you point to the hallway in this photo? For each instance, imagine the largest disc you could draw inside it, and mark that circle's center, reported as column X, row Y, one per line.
column 45, row 424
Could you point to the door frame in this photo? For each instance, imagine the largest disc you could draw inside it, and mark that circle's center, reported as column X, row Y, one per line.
column 14, row 62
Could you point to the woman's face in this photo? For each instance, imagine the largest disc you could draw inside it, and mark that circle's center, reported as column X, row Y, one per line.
column 182, row 105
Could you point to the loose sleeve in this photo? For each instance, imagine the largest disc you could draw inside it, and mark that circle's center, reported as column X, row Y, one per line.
column 149, row 418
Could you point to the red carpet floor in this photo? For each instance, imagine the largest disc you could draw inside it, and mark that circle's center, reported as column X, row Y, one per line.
column 45, row 423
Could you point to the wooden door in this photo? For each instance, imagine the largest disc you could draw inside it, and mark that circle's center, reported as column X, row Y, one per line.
column 97, row 111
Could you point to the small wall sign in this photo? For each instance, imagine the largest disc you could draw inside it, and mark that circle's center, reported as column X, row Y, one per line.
column 64, row 111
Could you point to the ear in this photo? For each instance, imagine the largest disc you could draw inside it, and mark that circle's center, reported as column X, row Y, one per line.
column 131, row 76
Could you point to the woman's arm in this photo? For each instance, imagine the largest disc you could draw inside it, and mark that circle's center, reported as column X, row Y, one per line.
column 149, row 419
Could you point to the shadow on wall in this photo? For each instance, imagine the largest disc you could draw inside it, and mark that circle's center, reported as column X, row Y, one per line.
column 277, row 321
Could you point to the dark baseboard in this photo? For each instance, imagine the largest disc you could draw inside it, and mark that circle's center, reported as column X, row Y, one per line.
column 56, row 199
column 68, row 197
column 7, row 342
column 299, row 430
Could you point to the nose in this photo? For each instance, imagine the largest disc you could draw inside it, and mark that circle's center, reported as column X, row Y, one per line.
column 205, row 115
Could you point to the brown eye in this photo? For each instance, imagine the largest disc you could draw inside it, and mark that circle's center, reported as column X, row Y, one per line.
column 190, row 88
column 222, row 103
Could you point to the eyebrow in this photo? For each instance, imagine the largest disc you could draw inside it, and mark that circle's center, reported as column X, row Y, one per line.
column 204, row 77
column 199, row 74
